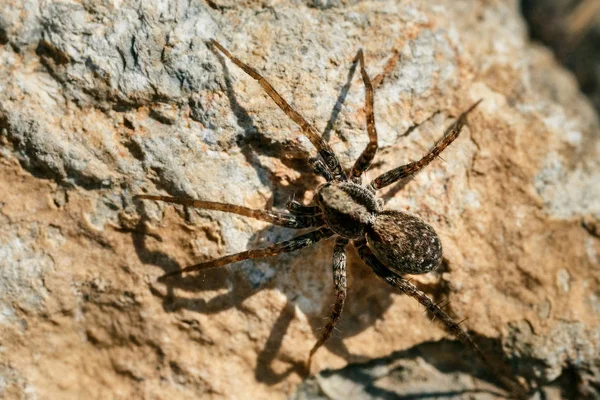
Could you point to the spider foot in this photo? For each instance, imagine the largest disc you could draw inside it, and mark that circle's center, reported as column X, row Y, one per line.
column 311, row 354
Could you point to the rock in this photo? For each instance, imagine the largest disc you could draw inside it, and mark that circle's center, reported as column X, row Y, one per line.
column 572, row 29
column 100, row 101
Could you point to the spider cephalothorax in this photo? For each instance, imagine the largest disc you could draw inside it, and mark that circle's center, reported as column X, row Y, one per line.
column 348, row 208
column 392, row 243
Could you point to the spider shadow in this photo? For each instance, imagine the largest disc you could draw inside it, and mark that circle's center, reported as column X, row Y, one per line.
column 368, row 297
column 236, row 281
column 246, row 279
column 147, row 255
column 252, row 142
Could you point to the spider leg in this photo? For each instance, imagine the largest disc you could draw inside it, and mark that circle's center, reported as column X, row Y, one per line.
column 339, row 280
column 408, row 288
column 364, row 160
column 288, row 246
column 274, row 217
column 329, row 157
column 409, row 169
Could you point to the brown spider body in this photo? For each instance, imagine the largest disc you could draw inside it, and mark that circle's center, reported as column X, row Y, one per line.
column 403, row 242
column 392, row 243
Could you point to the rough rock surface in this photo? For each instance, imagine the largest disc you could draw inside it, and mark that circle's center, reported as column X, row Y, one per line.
column 102, row 100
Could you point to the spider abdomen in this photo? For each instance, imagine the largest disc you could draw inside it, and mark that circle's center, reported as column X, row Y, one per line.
column 404, row 243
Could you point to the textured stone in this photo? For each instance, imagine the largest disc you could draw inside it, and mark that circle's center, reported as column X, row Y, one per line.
column 103, row 100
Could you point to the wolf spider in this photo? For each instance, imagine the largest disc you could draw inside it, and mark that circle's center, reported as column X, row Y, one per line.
column 392, row 243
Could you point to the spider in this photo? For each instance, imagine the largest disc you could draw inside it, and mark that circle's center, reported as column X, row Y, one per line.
column 392, row 243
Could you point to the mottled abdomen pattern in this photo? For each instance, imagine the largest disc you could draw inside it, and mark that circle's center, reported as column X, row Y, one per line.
column 404, row 243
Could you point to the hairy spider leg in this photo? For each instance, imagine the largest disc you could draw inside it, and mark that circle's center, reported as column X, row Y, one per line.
column 364, row 160
column 339, row 281
column 288, row 246
column 394, row 175
column 325, row 151
column 274, row 217
column 453, row 328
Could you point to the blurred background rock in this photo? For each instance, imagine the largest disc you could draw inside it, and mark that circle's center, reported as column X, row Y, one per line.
column 572, row 29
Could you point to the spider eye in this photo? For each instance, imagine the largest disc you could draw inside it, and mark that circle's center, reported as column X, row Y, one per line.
column 405, row 243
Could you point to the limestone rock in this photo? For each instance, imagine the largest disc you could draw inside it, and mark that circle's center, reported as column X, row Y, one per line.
column 103, row 100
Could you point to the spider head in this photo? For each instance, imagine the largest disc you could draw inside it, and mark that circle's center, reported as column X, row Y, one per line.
column 348, row 208
column 404, row 243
